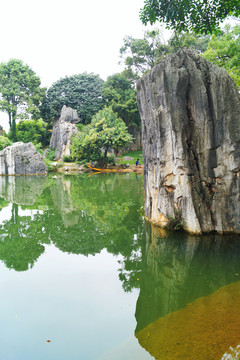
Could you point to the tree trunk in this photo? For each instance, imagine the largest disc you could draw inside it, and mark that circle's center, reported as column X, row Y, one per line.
column 10, row 119
column 13, row 128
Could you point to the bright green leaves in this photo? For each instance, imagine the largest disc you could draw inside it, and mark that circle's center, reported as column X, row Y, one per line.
column 224, row 51
column 140, row 55
column 20, row 90
column 94, row 140
column 35, row 131
column 200, row 16
column 119, row 94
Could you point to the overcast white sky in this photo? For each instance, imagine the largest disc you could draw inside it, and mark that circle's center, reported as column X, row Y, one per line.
column 59, row 38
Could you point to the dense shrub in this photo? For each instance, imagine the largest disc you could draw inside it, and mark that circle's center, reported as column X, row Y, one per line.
column 106, row 131
column 35, row 131
column 4, row 142
column 67, row 158
column 51, row 154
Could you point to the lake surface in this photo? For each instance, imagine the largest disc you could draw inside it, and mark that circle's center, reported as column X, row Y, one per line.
column 84, row 277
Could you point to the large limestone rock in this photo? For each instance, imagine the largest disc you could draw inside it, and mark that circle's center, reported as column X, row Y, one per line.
column 21, row 159
column 63, row 129
column 190, row 111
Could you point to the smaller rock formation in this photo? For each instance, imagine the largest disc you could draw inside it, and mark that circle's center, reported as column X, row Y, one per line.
column 63, row 129
column 21, row 159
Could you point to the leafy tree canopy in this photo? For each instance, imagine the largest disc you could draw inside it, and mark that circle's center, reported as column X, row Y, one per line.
column 4, row 142
column 224, row 51
column 120, row 95
column 35, row 131
column 20, row 91
column 180, row 40
column 81, row 92
column 106, row 131
column 200, row 16
column 140, row 55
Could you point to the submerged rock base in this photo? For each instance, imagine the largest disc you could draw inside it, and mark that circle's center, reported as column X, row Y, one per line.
column 190, row 111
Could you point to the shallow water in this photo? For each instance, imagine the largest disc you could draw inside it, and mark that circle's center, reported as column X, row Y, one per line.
column 79, row 267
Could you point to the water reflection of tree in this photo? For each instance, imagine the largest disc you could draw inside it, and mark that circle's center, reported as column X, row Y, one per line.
column 21, row 241
column 80, row 215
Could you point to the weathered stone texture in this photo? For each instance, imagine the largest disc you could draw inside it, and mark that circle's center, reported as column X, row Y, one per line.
column 63, row 129
column 21, row 159
column 190, row 111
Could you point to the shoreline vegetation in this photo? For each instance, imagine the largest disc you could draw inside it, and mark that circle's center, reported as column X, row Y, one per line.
column 124, row 164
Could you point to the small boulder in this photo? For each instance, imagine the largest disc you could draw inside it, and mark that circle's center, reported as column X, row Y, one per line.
column 21, row 159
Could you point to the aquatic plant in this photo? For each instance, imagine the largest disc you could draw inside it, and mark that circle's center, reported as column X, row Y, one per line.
column 175, row 222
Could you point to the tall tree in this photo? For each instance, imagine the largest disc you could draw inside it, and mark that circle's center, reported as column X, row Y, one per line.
column 224, row 51
column 192, row 40
column 200, row 16
column 140, row 55
column 20, row 91
column 121, row 96
column 82, row 92
column 105, row 131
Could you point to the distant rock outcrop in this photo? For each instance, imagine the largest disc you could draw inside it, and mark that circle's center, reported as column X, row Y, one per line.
column 63, row 129
column 21, row 159
column 190, row 111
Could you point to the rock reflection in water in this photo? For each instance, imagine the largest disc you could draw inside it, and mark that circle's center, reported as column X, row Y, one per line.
column 79, row 215
column 178, row 269
column 202, row 330
column 22, row 190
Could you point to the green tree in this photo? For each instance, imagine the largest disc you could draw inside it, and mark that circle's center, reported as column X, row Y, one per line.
column 140, row 55
column 82, row 92
column 180, row 40
column 35, row 131
column 4, row 142
column 120, row 95
column 224, row 51
column 106, row 131
column 200, row 16
column 20, row 91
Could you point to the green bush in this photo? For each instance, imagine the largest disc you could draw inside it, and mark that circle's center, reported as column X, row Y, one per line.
column 67, row 158
column 35, row 131
column 39, row 148
column 49, row 164
column 50, row 154
column 94, row 140
column 175, row 222
column 4, row 142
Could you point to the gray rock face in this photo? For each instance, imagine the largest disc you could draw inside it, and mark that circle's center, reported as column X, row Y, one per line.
column 21, row 159
column 63, row 129
column 190, row 111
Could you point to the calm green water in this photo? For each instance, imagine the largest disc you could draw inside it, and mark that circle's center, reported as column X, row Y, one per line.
column 80, row 267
